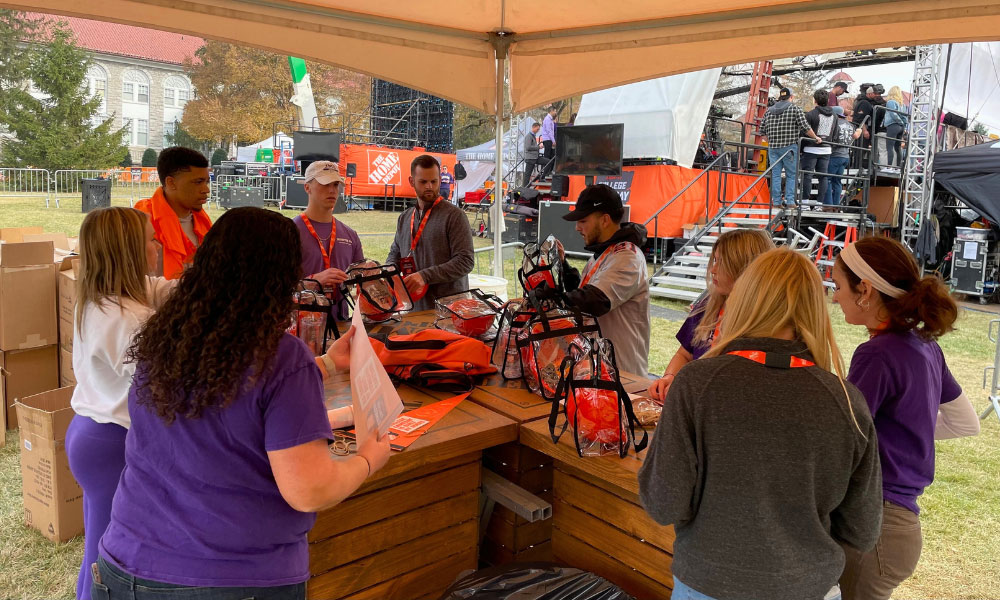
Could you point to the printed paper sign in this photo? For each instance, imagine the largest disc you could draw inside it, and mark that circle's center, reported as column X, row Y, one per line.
column 375, row 400
column 384, row 168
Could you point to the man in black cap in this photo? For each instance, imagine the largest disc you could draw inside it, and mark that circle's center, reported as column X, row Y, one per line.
column 614, row 286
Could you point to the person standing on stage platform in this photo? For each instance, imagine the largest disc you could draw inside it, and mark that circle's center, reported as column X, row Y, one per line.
column 433, row 243
column 764, row 459
column 839, row 89
column 447, row 184
column 328, row 245
column 783, row 125
column 175, row 208
column 912, row 395
column 731, row 254
column 847, row 134
column 614, row 287
column 548, row 139
column 816, row 156
column 530, row 149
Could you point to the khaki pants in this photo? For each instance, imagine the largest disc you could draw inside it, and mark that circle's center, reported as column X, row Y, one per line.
column 873, row 575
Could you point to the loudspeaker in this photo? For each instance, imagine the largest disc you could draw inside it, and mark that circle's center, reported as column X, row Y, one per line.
column 96, row 194
column 560, row 186
column 956, row 121
column 295, row 193
column 352, row 170
column 245, row 196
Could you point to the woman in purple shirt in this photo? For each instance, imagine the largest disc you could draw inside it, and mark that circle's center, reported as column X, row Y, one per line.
column 226, row 460
column 732, row 253
column 913, row 397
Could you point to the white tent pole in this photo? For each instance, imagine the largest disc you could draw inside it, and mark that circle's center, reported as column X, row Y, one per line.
column 500, row 46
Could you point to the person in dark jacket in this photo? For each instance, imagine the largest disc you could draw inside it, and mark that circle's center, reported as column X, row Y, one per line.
column 816, row 156
column 765, row 458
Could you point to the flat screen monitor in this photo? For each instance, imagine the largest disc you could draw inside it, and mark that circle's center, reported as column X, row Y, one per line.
column 589, row 149
column 316, row 145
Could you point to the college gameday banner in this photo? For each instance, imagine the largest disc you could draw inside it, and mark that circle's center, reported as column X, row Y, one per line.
column 383, row 172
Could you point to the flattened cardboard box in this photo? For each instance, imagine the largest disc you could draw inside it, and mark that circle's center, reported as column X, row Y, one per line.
column 15, row 235
column 53, row 500
column 25, row 373
column 68, row 272
column 27, row 296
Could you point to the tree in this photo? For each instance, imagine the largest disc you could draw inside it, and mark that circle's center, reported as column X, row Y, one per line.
column 803, row 84
column 16, row 35
column 149, row 158
column 244, row 92
column 980, row 129
column 218, row 156
column 181, row 137
column 56, row 130
column 126, row 161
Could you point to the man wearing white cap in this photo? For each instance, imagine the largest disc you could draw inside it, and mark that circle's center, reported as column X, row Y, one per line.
column 328, row 246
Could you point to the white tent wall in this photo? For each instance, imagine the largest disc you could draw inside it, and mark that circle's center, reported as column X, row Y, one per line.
column 477, row 172
column 249, row 153
column 973, row 87
column 663, row 117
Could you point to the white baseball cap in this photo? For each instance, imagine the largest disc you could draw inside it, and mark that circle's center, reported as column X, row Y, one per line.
column 324, row 172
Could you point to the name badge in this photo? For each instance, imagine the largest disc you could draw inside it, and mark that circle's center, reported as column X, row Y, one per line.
column 408, row 265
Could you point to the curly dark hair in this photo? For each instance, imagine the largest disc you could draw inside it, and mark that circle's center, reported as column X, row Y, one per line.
column 218, row 332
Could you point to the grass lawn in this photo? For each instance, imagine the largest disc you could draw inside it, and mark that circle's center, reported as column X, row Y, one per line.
column 961, row 510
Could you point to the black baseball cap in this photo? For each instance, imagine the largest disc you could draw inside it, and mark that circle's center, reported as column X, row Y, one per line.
column 784, row 93
column 597, row 198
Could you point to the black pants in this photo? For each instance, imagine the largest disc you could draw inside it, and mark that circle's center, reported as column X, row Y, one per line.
column 115, row 584
column 893, row 144
column 529, row 170
column 549, row 154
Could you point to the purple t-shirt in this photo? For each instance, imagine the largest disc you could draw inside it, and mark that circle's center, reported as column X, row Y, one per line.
column 197, row 503
column 905, row 380
column 685, row 335
column 346, row 250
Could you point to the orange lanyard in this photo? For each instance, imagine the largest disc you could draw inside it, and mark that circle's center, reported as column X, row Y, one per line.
column 415, row 237
column 333, row 236
column 718, row 325
column 597, row 265
column 759, row 356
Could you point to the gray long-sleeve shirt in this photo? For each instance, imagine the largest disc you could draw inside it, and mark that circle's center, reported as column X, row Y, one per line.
column 443, row 255
column 762, row 472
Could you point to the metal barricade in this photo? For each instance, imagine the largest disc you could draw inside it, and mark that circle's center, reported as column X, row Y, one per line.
column 25, row 183
column 127, row 185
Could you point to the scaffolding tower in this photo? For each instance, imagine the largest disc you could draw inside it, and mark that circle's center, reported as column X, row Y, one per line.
column 918, row 177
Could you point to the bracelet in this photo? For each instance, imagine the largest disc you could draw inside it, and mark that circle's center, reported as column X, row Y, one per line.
column 367, row 463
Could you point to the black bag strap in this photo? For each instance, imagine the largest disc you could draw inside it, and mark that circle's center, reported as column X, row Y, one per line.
column 624, row 400
column 391, row 344
column 435, row 377
column 562, row 393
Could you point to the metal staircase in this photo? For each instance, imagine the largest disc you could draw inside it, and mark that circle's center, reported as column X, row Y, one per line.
column 683, row 275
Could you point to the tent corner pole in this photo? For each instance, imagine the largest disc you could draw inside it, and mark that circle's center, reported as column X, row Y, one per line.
column 500, row 45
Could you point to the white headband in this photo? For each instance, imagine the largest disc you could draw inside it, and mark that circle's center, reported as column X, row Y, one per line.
column 864, row 271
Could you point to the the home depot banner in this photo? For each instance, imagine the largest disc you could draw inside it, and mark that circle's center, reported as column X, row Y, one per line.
column 383, row 172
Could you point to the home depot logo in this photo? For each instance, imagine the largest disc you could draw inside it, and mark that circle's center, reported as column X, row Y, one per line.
column 384, row 168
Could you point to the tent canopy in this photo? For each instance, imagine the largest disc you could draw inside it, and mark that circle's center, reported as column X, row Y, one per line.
column 557, row 48
column 973, row 175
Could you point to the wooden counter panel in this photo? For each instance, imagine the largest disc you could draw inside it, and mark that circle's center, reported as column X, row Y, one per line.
column 600, row 503
column 393, row 562
column 434, row 578
column 518, row 537
column 372, row 540
column 422, row 489
column 494, row 553
column 570, row 551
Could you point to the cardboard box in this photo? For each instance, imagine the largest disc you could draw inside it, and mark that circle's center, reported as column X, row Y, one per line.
column 68, row 272
column 59, row 240
column 27, row 296
column 24, row 373
column 15, row 235
column 883, row 203
column 66, row 375
column 53, row 500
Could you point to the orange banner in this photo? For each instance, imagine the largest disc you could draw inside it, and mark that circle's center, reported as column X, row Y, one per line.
column 653, row 185
column 383, row 172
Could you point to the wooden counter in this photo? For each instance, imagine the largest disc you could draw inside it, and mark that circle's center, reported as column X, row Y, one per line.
column 413, row 526
column 598, row 524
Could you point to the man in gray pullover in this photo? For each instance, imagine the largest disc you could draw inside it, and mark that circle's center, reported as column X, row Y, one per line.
column 433, row 244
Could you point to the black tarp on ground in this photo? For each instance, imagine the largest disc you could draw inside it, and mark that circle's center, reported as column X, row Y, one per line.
column 973, row 175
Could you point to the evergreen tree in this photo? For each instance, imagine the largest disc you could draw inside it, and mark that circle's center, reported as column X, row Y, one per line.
column 126, row 161
column 16, row 35
column 218, row 156
column 149, row 158
column 56, row 131
column 182, row 137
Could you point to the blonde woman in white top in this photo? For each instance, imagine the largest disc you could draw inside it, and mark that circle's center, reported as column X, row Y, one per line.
column 115, row 295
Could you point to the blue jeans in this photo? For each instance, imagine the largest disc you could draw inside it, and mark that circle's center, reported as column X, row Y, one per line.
column 115, row 584
column 683, row 592
column 818, row 163
column 838, row 164
column 789, row 165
